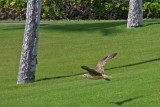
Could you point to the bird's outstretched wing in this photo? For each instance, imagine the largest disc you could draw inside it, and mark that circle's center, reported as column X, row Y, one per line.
column 91, row 71
column 102, row 62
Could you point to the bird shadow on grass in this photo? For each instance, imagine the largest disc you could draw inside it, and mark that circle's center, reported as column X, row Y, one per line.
column 58, row 77
column 143, row 62
column 120, row 103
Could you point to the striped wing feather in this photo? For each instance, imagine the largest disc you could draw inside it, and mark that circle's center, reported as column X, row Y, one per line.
column 102, row 62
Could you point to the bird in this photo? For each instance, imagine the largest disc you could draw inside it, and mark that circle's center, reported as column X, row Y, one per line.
column 98, row 72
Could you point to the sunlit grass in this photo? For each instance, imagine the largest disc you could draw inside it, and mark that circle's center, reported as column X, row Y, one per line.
column 64, row 46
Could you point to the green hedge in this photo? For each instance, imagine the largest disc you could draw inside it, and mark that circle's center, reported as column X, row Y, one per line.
column 78, row 9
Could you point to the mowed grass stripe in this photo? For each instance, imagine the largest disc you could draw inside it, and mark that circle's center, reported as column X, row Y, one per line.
column 65, row 46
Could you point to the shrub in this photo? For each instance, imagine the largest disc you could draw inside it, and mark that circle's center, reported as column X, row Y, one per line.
column 78, row 9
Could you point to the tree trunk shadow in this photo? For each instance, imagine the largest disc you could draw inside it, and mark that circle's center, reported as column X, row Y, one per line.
column 151, row 24
column 58, row 77
column 157, row 59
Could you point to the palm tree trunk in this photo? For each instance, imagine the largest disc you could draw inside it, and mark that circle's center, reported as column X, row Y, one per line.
column 135, row 15
column 30, row 43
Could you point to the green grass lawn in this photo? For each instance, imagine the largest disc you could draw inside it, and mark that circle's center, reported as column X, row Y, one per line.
column 64, row 46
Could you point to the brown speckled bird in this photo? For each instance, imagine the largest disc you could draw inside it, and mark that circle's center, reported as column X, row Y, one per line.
column 98, row 72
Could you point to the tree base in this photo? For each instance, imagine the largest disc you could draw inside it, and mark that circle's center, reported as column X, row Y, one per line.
column 128, row 27
column 24, row 82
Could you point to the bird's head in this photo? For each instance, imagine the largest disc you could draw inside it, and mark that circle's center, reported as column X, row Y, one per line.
column 85, row 75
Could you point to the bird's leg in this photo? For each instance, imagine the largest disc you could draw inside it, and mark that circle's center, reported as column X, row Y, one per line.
column 106, row 77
